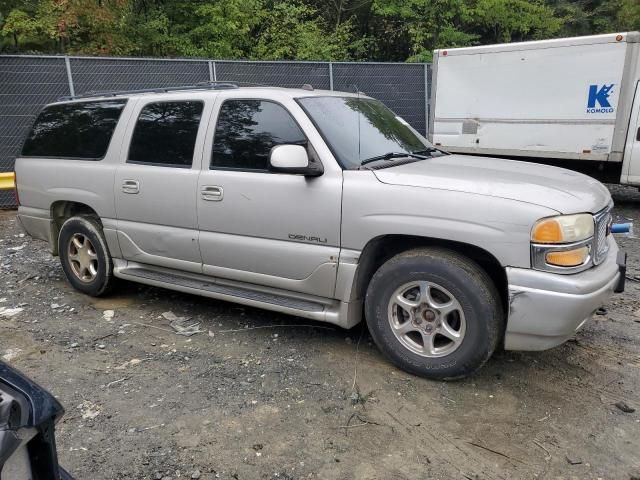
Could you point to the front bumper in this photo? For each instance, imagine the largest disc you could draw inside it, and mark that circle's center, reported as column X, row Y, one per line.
column 546, row 309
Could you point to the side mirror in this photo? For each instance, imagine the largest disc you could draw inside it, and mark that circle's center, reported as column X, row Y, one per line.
column 293, row 159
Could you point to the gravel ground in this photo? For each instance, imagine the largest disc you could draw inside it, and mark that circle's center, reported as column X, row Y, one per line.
column 259, row 395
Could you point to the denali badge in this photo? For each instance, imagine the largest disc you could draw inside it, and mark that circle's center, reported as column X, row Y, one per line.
column 304, row 238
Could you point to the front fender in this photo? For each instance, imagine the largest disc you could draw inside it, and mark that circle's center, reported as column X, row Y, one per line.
column 502, row 227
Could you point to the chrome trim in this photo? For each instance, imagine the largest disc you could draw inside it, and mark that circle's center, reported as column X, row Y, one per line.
column 602, row 221
column 539, row 256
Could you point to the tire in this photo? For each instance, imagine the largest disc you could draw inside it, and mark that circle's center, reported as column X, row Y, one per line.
column 87, row 266
column 453, row 309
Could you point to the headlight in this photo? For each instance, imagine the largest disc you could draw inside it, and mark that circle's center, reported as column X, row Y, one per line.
column 563, row 229
column 562, row 244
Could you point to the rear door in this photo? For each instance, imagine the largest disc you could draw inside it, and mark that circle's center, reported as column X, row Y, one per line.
column 156, row 182
column 631, row 163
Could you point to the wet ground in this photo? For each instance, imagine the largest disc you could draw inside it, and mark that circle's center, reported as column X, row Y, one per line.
column 259, row 395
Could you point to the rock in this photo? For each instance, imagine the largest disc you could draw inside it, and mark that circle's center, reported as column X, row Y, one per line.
column 624, row 407
column 195, row 474
column 133, row 361
column 573, row 460
column 10, row 312
column 11, row 354
column 170, row 316
column 89, row 410
column 108, row 315
column 601, row 311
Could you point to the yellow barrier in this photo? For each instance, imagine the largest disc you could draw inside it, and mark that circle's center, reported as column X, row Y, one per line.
column 7, row 180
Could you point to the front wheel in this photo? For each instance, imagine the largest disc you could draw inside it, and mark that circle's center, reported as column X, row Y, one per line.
column 434, row 313
column 85, row 257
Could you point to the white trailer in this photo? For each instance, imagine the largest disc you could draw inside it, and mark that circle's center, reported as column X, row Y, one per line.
column 573, row 102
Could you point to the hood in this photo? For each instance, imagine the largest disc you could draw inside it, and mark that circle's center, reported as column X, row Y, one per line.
column 557, row 188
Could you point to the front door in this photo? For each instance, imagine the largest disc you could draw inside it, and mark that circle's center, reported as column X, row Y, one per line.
column 631, row 165
column 278, row 230
column 155, row 186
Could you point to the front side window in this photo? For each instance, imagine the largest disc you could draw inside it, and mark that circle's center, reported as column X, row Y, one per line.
column 165, row 134
column 361, row 128
column 79, row 130
column 247, row 130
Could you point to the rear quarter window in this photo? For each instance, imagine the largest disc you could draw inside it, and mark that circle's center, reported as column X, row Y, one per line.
column 74, row 130
column 165, row 134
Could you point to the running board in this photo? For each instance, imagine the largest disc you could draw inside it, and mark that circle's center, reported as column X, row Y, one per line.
column 218, row 289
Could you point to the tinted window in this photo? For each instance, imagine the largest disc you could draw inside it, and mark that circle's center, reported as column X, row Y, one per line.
column 165, row 134
column 247, row 130
column 74, row 130
column 360, row 128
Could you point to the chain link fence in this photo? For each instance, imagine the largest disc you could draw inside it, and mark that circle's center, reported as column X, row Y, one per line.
column 27, row 83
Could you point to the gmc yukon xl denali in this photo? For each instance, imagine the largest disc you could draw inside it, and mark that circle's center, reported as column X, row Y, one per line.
column 324, row 205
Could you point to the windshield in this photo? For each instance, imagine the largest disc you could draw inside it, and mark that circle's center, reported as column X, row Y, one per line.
column 357, row 129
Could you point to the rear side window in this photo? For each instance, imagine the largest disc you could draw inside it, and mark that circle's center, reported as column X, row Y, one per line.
column 165, row 134
column 74, row 130
column 247, row 130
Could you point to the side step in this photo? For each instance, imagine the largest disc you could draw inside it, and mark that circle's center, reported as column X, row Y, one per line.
column 215, row 289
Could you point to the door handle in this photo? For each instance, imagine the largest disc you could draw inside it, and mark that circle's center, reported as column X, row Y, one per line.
column 638, row 135
column 131, row 186
column 212, row 193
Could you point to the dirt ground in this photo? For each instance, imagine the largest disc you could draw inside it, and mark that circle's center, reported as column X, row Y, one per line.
column 260, row 395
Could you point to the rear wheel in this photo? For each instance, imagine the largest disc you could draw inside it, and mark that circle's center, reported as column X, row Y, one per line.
column 434, row 313
column 84, row 256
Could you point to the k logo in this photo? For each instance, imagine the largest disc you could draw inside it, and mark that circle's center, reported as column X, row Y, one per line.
column 600, row 96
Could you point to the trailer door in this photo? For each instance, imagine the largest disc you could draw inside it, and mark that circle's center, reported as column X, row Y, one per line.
column 631, row 165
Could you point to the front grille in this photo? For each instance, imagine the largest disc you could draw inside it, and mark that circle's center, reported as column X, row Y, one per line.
column 601, row 244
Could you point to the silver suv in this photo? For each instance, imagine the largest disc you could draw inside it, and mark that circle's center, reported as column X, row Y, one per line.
column 324, row 205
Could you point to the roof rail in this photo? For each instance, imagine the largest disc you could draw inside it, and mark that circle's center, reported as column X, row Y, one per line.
column 116, row 93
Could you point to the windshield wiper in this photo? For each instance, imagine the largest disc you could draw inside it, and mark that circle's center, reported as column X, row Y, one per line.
column 391, row 156
column 428, row 150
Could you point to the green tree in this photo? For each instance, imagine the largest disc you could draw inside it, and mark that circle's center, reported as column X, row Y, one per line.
column 224, row 29
column 428, row 24
column 295, row 31
column 497, row 21
column 17, row 25
column 387, row 30
column 587, row 17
